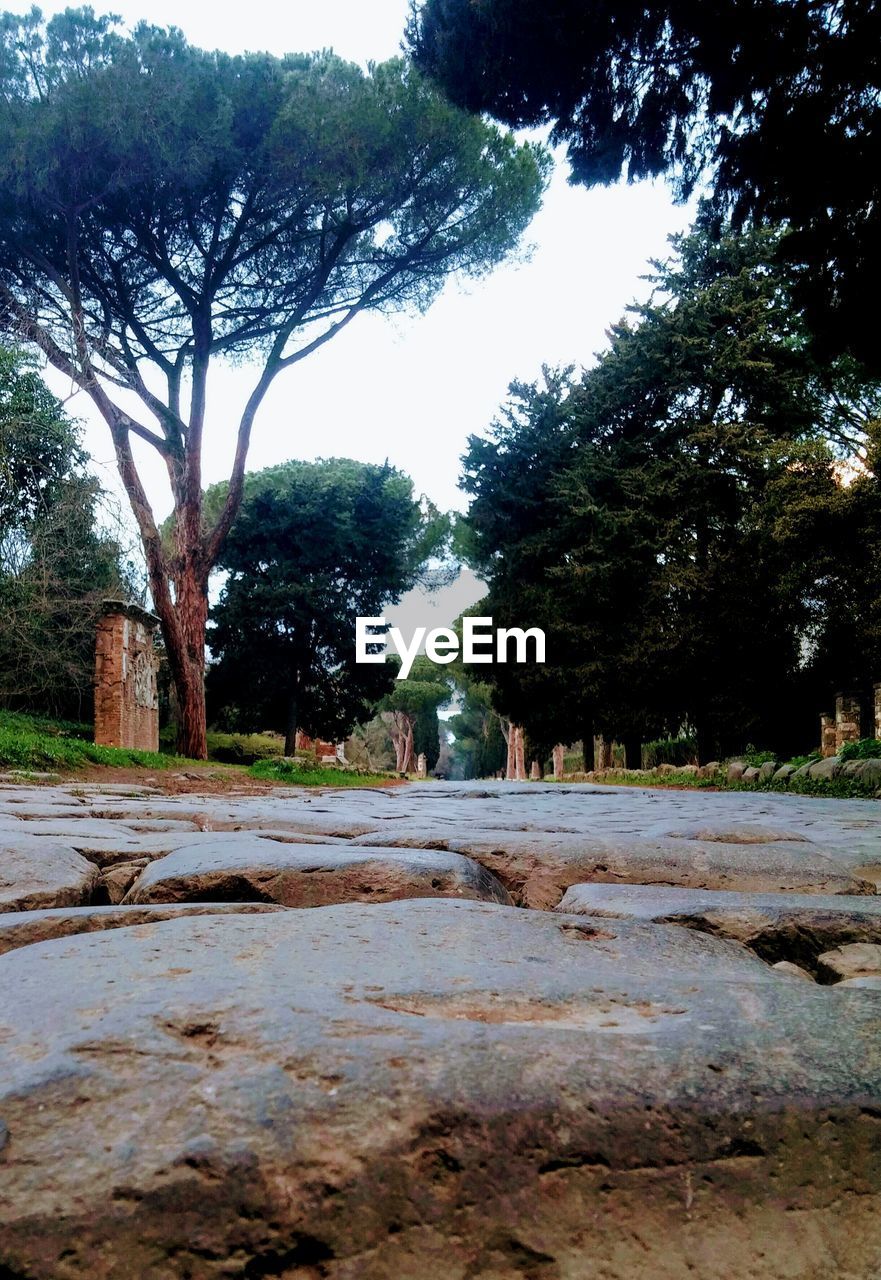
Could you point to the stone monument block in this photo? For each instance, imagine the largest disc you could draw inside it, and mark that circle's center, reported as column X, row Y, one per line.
column 848, row 716
column 126, row 695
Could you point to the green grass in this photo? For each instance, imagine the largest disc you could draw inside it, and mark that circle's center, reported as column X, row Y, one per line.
column 314, row 776
column 38, row 745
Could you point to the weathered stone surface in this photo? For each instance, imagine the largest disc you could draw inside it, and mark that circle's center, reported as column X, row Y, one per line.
column 24, row 928
column 870, row 981
column 736, row 770
column 793, row 970
column 784, row 773
column 118, row 879
column 42, row 873
column 767, row 770
column 750, row 773
column 828, row 768
column 777, row 926
column 311, row 876
column 443, row 1089
column 537, row 867
column 852, row 960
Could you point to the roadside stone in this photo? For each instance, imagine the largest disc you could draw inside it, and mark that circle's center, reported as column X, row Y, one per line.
column 854, row 960
column 538, row 867
column 750, row 774
column 38, row 873
column 311, row 876
column 767, row 770
column 25, row 928
column 787, row 927
column 736, row 770
column 784, row 773
column 430, row 1088
column 793, row 970
column 825, row 769
column 869, row 772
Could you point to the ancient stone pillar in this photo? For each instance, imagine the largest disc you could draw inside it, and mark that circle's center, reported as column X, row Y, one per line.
column 535, row 771
column 126, row 697
column 421, row 765
column 558, row 753
column 877, row 692
column 847, row 719
column 827, row 736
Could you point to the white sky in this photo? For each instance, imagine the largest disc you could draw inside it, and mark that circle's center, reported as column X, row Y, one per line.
column 413, row 388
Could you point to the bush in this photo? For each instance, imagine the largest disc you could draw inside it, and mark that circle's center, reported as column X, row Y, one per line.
column 244, row 748
column 675, row 751
column 865, row 749
column 303, row 773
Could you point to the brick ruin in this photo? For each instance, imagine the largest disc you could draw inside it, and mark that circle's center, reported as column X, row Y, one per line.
column 855, row 717
column 126, row 695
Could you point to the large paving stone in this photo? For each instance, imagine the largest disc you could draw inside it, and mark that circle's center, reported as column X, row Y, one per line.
column 310, row 876
column 777, row 926
column 432, row 1089
column 24, row 928
column 854, row 960
column 537, row 867
column 43, row 873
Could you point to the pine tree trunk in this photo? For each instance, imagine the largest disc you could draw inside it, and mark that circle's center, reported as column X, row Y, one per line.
column 185, row 644
column 519, row 753
column 510, row 764
column 290, row 737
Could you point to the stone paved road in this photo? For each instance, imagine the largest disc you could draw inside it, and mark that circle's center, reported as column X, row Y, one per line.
column 520, row 1032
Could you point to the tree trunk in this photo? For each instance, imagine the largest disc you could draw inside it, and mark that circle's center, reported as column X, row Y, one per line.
column 519, row 753
column 290, row 736
column 409, row 765
column 511, row 741
column 184, row 636
column 632, row 752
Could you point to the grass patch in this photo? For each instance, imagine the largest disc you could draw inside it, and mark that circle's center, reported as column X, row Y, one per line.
column 308, row 775
column 32, row 743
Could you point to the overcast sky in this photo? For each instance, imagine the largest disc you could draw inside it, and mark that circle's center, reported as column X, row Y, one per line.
column 413, row 388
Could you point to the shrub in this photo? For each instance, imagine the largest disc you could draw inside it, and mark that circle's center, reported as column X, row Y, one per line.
column 675, row 751
column 244, row 748
column 303, row 773
column 865, row 749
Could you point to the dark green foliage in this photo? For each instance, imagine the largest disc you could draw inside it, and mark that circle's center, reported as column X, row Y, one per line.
column 775, row 103
column 315, row 545
column 865, row 749
column 479, row 749
column 676, row 751
column 664, row 519
column 55, row 564
column 305, row 776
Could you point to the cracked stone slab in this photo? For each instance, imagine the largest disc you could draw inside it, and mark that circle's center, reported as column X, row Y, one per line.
column 432, row 1088
column 537, row 868
column 852, row 960
column 38, row 873
column 777, row 926
column 25, row 928
column 309, row 875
